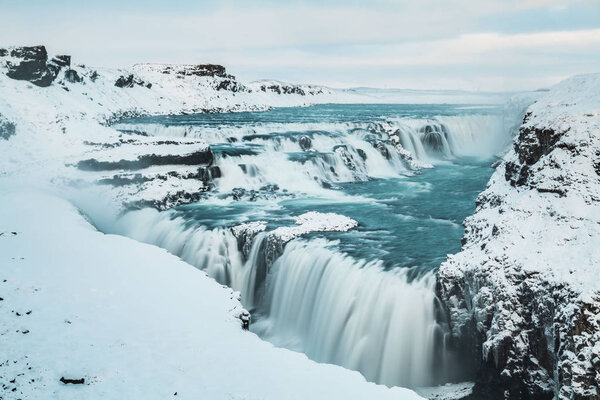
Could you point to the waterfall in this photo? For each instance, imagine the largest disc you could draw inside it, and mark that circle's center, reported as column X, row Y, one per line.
column 352, row 313
column 313, row 299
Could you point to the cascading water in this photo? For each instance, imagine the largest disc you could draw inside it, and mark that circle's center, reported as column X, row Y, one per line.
column 352, row 313
column 363, row 299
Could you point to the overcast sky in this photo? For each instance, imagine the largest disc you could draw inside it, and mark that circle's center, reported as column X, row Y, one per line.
column 420, row 44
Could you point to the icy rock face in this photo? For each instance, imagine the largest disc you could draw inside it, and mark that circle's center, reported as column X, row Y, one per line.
column 245, row 233
column 525, row 286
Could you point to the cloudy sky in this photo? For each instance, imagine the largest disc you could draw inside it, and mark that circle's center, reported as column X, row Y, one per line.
column 492, row 45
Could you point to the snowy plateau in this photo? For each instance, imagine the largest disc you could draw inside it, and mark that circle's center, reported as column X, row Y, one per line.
column 91, row 315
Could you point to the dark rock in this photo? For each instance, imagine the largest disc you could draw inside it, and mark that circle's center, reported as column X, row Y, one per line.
column 130, row 81
column 79, row 381
column 305, row 143
column 201, row 157
column 383, row 149
column 231, row 85
column 7, row 128
column 72, row 76
column 362, row 154
column 208, row 70
column 62, row 60
column 34, row 66
column 532, row 144
column 285, row 89
column 3, row 52
column 245, row 318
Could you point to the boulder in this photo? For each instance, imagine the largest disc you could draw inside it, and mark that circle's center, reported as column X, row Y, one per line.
column 34, row 66
column 305, row 143
column 130, row 81
column 7, row 128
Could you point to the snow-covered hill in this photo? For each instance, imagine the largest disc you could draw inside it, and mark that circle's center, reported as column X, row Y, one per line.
column 526, row 286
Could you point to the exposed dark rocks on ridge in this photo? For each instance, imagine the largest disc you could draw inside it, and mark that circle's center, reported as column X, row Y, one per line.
column 212, row 70
column 283, row 88
column 533, row 143
column 147, row 160
column 231, row 85
column 33, row 67
column 72, row 76
column 62, row 60
column 130, row 81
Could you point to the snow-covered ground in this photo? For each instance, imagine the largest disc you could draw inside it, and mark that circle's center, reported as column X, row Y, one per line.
column 133, row 321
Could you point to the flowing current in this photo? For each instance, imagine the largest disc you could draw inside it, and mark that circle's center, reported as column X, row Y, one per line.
column 364, row 298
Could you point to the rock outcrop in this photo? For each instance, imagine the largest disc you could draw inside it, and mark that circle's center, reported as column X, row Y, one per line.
column 31, row 64
column 524, row 290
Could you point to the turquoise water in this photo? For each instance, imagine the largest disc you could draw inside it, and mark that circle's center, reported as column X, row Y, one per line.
column 408, row 220
column 364, row 299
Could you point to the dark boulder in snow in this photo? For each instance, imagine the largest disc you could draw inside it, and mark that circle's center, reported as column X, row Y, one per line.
column 7, row 128
column 79, row 381
column 62, row 60
column 33, row 67
column 72, row 76
column 130, row 81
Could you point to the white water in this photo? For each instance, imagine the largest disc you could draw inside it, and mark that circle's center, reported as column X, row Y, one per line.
column 351, row 313
column 318, row 301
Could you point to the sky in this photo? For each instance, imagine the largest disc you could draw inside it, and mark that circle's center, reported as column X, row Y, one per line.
column 483, row 45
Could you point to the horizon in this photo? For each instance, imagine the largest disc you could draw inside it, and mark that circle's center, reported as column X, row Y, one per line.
column 496, row 46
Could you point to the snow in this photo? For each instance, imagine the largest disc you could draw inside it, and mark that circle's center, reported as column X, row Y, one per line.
column 133, row 321
column 249, row 228
column 449, row 391
column 314, row 221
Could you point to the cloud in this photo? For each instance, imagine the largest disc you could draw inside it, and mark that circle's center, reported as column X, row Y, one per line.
column 431, row 42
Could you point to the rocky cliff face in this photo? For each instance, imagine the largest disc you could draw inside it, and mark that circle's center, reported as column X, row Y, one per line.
column 525, row 288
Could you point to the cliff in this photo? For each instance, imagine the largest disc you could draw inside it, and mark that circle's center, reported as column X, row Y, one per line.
column 525, row 286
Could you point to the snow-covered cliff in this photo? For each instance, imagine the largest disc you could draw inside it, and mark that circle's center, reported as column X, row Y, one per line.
column 526, row 285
